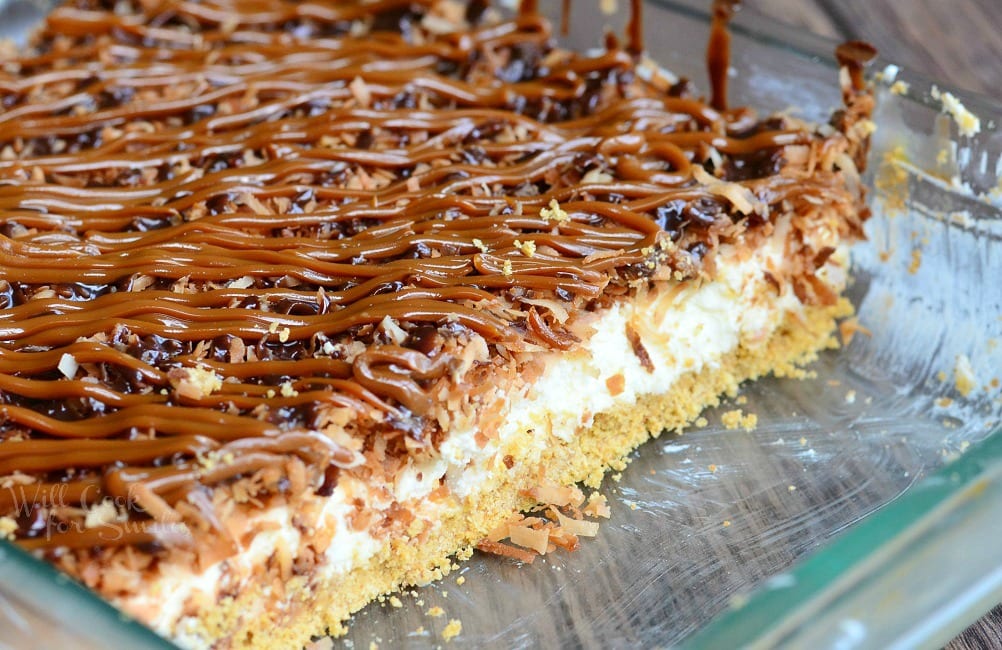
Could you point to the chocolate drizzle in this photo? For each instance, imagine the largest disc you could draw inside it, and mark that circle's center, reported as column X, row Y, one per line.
column 225, row 223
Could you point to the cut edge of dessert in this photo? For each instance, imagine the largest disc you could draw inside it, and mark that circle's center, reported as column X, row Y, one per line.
column 579, row 446
column 594, row 259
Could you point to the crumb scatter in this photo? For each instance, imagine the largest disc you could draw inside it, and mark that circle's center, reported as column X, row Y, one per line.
column 737, row 419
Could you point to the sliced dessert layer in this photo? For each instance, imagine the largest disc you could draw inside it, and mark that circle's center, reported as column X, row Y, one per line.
column 651, row 363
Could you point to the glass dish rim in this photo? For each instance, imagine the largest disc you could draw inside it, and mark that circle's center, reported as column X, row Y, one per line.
column 780, row 607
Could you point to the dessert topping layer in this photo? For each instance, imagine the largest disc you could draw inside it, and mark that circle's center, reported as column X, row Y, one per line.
column 247, row 246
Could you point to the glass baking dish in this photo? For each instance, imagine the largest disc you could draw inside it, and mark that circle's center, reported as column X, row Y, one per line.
column 862, row 511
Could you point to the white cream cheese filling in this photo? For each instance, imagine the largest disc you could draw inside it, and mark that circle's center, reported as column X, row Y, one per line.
column 682, row 331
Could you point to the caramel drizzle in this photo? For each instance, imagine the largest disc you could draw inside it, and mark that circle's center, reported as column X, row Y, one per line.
column 718, row 50
column 635, row 29
column 150, row 160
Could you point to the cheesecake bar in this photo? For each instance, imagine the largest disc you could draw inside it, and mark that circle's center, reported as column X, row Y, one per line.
column 300, row 300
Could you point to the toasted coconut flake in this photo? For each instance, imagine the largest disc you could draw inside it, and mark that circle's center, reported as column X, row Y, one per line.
column 141, row 281
column 714, row 156
column 17, row 478
column 797, row 154
column 596, row 176
column 556, row 495
column 253, row 203
column 848, row 167
column 564, row 539
column 577, row 526
column 506, row 550
column 742, row 198
column 68, row 365
column 172, row 534
column 558, row 310
column 600, row 255
column 497, row 533
column 153, row 504
column 393, row 331
column 616, row 384
column 245, row 282
column 360, row 90
column 598, row 506
column 537, row 540
column 438, row 24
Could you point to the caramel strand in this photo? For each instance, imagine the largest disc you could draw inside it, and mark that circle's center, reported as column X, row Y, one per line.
column 635, row 29
column 718, row 50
